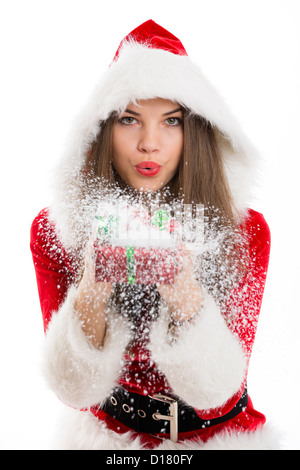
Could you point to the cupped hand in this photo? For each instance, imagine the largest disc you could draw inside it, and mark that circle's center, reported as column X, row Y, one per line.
column 184, row 295
column 91, row 298
column 95, row 290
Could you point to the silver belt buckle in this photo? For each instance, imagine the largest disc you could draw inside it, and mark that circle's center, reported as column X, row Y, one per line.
column 173, row 418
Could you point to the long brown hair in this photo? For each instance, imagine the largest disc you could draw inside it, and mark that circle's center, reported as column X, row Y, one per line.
column 201, row 175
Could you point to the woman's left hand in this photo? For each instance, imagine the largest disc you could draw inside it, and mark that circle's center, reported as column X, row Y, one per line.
column 184, row 296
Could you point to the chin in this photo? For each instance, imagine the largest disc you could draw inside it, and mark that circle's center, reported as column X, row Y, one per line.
column 147, row 188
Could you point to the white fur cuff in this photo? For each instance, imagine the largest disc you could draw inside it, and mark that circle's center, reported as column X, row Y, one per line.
column 78, row 373
column 206, row 364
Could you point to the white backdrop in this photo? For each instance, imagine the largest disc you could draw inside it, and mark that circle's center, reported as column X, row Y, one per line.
column 52, row 54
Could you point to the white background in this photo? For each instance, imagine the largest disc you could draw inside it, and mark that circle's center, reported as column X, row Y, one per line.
column 52, row 54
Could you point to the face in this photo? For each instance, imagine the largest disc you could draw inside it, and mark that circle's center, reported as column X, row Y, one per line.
column 147, row 143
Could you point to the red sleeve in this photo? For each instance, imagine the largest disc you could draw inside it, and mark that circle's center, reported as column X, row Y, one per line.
column 244, row 304
column 53, row 270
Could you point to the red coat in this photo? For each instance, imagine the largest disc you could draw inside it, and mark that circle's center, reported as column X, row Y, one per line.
column 56, row 273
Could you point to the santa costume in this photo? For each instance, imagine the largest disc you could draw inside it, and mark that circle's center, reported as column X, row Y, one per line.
column 190, row 393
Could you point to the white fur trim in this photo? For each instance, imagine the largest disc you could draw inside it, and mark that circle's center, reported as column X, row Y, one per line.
column 78, row 373
column 195, row 365
column 144, row 73
column 82, row 431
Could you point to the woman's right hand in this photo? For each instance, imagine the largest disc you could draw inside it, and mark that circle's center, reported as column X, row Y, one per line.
column 91, row 300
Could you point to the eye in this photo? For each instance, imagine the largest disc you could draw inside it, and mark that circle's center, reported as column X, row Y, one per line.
column 173, row 121
column 127, row 120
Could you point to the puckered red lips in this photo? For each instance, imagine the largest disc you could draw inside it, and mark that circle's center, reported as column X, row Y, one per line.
column 148, row 168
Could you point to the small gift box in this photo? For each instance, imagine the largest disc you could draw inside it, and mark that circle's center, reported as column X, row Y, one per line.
column 135, row 265
column 132, row 247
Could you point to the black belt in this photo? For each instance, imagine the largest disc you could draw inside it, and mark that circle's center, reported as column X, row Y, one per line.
column 161, row 414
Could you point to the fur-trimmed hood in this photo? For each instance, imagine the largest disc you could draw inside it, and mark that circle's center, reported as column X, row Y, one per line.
column 148, row 65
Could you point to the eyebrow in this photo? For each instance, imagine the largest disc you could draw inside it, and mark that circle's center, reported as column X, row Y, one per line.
column 173, row 112
column 131, row 112
column 165, row 114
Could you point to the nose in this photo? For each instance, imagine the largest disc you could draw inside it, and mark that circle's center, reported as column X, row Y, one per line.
column 149, row 140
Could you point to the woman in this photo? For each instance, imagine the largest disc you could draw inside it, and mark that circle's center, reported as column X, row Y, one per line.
column 154, row 364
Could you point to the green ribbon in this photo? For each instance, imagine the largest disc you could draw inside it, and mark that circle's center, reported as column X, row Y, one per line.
column 106, row 225
column 160, row 218
column 130, row 264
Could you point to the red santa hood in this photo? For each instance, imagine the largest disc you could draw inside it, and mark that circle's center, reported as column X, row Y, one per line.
column 151, row 62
